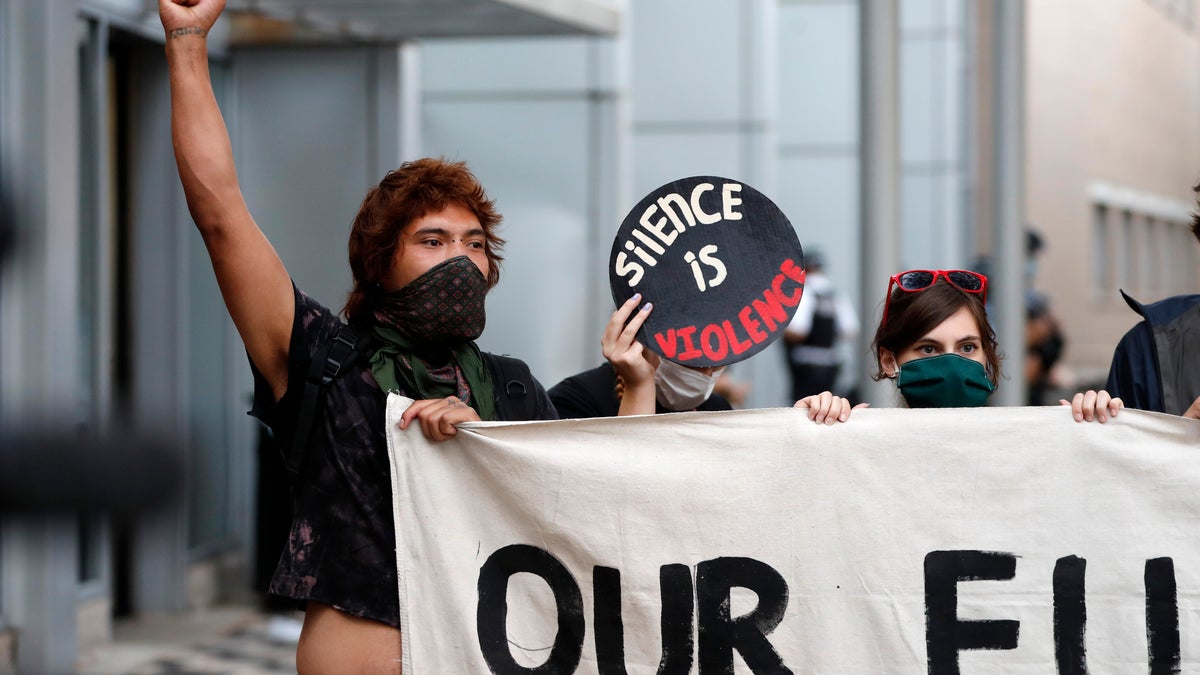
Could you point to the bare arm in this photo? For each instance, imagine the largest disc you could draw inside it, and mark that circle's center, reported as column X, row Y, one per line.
column 629, row 358
column 256, row 287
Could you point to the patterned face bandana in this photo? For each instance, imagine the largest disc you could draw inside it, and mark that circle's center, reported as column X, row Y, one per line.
column 442, row 307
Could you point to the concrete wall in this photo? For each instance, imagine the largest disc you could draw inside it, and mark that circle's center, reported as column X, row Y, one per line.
column 306, row 149
column 1112, row 110
column 39, row 333
column 705, row 102
column 818, row 149
column 542, row 124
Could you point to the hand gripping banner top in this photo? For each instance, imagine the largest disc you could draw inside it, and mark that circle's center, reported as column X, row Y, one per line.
column 720, row 262
column 992, row 540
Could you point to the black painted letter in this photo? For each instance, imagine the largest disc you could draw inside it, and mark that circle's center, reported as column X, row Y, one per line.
column 945, row 635
column 720, row 634
column 607, row 623
column 1070, row 615
column 1162, row 617
column 491, row 617
column 677, row 609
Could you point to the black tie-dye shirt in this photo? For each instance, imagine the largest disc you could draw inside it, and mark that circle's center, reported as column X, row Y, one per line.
column 341, row 550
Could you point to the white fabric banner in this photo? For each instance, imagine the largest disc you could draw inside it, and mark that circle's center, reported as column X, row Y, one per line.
column 996, row 540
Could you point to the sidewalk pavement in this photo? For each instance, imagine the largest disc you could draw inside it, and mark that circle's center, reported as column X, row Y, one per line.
column 234, row 640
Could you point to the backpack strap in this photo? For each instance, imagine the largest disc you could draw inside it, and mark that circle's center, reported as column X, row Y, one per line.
column 516, row 397
column 334, row 356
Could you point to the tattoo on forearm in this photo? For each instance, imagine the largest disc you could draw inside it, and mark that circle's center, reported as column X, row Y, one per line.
column 189, row 30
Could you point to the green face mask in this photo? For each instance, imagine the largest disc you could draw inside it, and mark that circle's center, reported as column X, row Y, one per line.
column 946, row 381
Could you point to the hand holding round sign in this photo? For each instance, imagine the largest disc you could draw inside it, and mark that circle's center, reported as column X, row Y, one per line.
column 719, row 261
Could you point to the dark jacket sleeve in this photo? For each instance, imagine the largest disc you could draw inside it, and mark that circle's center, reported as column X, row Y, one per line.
column 572, row 400
column 587, row 394
column 544, row 407
column 1133, row 375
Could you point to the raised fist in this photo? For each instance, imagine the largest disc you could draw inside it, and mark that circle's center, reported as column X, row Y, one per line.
column 181, row 15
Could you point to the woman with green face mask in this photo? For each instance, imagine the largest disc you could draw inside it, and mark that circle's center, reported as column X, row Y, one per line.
column 936, row 344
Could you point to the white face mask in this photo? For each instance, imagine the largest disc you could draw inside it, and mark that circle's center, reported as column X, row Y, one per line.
column 681, row 388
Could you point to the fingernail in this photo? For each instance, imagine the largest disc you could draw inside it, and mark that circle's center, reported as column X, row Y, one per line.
column 1079, row 418
column 647, row 307
column 637, row 296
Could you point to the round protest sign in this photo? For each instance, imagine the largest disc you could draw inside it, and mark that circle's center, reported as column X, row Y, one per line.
column 719, row 261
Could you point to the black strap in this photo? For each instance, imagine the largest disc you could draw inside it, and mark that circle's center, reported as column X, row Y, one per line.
column 334, row 356
column 515, row 391
column 513, row 383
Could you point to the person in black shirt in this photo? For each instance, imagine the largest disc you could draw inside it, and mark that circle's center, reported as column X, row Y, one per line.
column 635, row 381
column 424, row 252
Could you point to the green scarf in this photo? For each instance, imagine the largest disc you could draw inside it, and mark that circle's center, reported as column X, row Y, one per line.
column 396, row 362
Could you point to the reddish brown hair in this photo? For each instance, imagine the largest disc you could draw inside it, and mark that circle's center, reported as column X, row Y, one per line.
column 912, row 315
column 416, row 189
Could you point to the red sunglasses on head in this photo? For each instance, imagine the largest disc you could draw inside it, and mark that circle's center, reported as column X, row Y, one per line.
column 915, row 281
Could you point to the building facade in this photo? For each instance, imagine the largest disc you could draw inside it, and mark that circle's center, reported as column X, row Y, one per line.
column 1113, row 152
column 110, row 318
